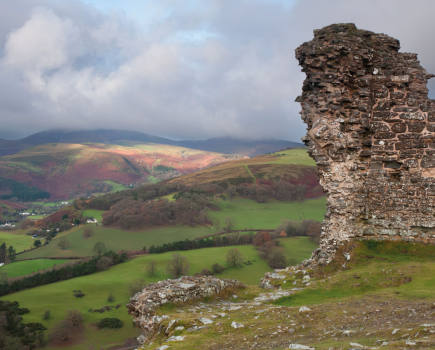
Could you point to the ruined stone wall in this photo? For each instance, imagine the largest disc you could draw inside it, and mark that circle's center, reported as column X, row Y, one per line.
column 371, row 131
column 185, row 289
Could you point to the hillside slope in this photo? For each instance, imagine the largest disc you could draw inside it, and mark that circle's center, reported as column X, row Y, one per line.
column 220, row 145
column 294, row 166
column 72, row 170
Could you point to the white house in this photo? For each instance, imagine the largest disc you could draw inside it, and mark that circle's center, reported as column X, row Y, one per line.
column 64, row 203
column 90, row 221
column 25, row 214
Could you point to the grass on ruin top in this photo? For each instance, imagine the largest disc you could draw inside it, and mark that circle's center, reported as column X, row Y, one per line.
column 384, row 269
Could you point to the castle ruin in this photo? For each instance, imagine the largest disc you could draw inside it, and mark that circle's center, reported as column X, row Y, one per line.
column 371, row 131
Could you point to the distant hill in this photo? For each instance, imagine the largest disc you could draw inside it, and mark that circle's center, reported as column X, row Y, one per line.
column 225, row 145
column 72, row 170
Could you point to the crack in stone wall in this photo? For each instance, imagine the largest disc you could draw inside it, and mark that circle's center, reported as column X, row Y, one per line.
column 371, row 131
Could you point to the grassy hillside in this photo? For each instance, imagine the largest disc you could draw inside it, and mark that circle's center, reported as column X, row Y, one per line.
column 294, row 166
column 114, row 239
column 22, row 268
column 18, row 239
column 249, row 214
column 58, row 297
column 382, row 299
column 73, row 170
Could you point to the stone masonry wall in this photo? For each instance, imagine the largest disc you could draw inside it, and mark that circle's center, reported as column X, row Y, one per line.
column 371, row 131
column 143, row 305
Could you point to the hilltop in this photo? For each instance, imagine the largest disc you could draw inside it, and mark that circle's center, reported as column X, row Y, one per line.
column 73, row 170
column 225, row 145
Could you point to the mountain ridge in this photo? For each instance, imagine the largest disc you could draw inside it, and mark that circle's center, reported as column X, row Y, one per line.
column 225, row 145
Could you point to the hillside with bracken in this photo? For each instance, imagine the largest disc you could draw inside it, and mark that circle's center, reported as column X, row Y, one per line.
column 73, row 170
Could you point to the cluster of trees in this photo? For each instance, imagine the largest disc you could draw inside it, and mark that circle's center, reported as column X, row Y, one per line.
column 15, row 335
column 148, row 192
column 310, row 228
column 216, row 241
column 130, row 213
column 280, row 190
column 7, row 254
column 268, row 249
column 56, row 274
column 14, row 189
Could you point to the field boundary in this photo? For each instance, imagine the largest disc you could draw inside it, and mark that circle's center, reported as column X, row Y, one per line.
column 233, row 231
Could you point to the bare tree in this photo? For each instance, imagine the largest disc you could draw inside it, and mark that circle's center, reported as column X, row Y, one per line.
column 177, row 266
column 151, row 268
column 229, row 223
column 62, row 331
column 231, row 191
column 63, row 243
column 87, row 232
column 104, row 262
column 75, row 317
column 234, row 257
column 218, row 224
column 136, row 286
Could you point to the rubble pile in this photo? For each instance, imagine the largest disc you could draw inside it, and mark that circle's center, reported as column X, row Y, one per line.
column 371, row 131
column 187, row 288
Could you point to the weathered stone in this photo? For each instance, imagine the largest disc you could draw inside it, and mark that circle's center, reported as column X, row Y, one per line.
column 143, row 305
column 376, row 168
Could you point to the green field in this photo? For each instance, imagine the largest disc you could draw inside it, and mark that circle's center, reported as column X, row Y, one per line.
column 97, row 214
column 36, row 217
column 293, row 156
column 116, row 186
column 115, row 240
column 19, row 240
column 22, row 268
column 252, row 215
column 58, row 297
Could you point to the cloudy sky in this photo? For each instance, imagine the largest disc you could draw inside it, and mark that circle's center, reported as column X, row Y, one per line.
column 184, row 69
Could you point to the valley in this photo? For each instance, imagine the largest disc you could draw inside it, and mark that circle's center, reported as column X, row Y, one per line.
column 219, row 189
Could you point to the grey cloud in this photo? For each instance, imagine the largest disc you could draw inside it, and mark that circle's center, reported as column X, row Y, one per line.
column 66, row 64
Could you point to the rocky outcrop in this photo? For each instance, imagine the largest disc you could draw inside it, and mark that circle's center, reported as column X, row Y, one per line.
column 143, row 305
column 371, row 131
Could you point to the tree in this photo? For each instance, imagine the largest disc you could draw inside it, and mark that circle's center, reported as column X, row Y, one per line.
column 234, row 257
column 3, row 254
column 12, row 253
column 37, row 243
column 99, row 248
column 76, row 222
column 177, row 266
column 63, row 243
column 110, row 298
column 283, row 234
column 75, row 317
column 229, row 223
column 217, row 268
column 218, row 224
column 266, row 250
column 65, row 216
column 136, row 286
column 144, row 249
column 62, row 331
column 277, row 260
column 261, row 238
column 104, row 262
column 152, row 268
column 87, row 232
column 47, row 315
column 314, row 231
column 231, row 191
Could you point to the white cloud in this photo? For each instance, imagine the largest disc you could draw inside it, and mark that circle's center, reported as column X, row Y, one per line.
column 210, row 69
